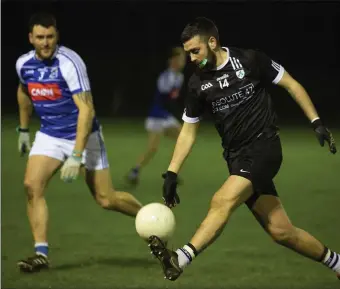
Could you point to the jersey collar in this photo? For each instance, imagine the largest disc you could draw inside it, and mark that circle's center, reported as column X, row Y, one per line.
column 226, row 61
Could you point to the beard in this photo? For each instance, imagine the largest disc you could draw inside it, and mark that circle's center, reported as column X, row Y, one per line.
column 45, row 55
column 210, row 62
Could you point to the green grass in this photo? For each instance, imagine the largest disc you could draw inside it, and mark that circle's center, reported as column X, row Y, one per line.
column 93, row 248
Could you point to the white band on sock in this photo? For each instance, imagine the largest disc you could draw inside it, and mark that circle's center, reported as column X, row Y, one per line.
column 41, row 244
column 332, row 261
column 190, row 251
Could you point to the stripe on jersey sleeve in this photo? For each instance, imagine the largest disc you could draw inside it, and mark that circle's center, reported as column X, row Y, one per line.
column 20, row 63
column 280, row 71
column 190, row 119
column 73, row 70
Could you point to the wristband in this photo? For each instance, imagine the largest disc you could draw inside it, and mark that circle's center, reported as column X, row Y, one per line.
column 316, row 123
column 19, row 129
column 77, row 154
column 171, row 175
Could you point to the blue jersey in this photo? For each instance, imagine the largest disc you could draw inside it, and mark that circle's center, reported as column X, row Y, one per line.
column 169, row 84
column 50, row 85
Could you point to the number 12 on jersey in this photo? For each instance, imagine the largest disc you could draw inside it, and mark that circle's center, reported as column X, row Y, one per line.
column 224, row 83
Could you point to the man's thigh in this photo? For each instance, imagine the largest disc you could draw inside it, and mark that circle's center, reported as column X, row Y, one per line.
column 44, row 160
column 258, row 163
column 99, row 182
column 95, row 156
column 270, row 213
column 234, row 191
column 39, row 171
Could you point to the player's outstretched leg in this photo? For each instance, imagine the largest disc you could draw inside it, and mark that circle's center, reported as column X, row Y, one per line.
column 153, row 144
column 38, row 172
column 100, row 185
column 269, row 211
column 234, row 192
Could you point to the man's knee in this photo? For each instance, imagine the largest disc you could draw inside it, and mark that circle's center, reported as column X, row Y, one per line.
column 105, row 201
column 34, row 188
column 283, row 235
column 153, row 149
column 234, row 192
column 222, row 205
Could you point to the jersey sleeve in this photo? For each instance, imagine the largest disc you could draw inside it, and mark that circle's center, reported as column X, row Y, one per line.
column 74, row 72
column 18, row 67
column 194, row 106
column 269, row 70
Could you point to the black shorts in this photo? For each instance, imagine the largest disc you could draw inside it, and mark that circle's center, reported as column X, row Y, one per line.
column 259, row 162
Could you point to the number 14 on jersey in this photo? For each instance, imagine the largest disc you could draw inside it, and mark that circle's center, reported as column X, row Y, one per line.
column 224, row 83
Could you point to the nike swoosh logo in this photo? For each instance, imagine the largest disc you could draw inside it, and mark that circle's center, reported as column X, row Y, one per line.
column 243, row 171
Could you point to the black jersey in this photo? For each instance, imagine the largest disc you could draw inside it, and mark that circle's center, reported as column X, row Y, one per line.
column 235, row 94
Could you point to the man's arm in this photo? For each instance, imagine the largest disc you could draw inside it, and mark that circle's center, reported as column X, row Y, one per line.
column 25, row 112
column 194, row 108
column 300, row 95
column 271, row 71
column 185, row 141
column 25, row 106
column 84, row 102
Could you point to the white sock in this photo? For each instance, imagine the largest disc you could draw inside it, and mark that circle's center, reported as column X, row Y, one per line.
column 332, row 261
column 185, row 256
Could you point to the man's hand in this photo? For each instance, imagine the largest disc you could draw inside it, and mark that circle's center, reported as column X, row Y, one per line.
column 24, row 144
column 323, row 134
column 170, row 196
column 70, row 169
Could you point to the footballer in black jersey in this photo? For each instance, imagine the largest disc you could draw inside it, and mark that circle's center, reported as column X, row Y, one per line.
column 232, row 84
column 235, row 94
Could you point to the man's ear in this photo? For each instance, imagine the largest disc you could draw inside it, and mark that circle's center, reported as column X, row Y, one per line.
column 212, row 43
column 30, row 37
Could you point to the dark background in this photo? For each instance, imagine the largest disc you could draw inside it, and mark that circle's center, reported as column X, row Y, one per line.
column 124, row 45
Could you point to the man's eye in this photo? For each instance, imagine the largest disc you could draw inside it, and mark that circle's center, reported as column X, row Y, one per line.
column 195, row 51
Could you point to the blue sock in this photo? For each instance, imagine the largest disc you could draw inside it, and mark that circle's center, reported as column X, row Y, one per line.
column 41, row 249
column 135, row 170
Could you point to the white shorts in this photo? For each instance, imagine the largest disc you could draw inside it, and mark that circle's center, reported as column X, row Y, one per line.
column 155, row 124
column 94, row 157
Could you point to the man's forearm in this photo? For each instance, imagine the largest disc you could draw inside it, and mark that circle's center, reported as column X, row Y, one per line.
column 300, row 95
column 182, row 150
column 25, row 113
column 84, row 127
column 25, row 107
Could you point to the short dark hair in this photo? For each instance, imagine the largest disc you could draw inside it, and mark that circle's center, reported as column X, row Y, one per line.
column 202, row 27
column 42, row 18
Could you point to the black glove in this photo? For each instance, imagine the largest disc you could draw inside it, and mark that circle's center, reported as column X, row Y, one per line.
column 170, row 196
column 323, row 134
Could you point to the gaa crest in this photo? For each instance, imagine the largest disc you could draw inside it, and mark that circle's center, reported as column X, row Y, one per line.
column 240, row 73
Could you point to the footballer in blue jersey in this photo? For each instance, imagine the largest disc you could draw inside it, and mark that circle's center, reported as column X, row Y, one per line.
column 54, row 81
column 160, row 121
